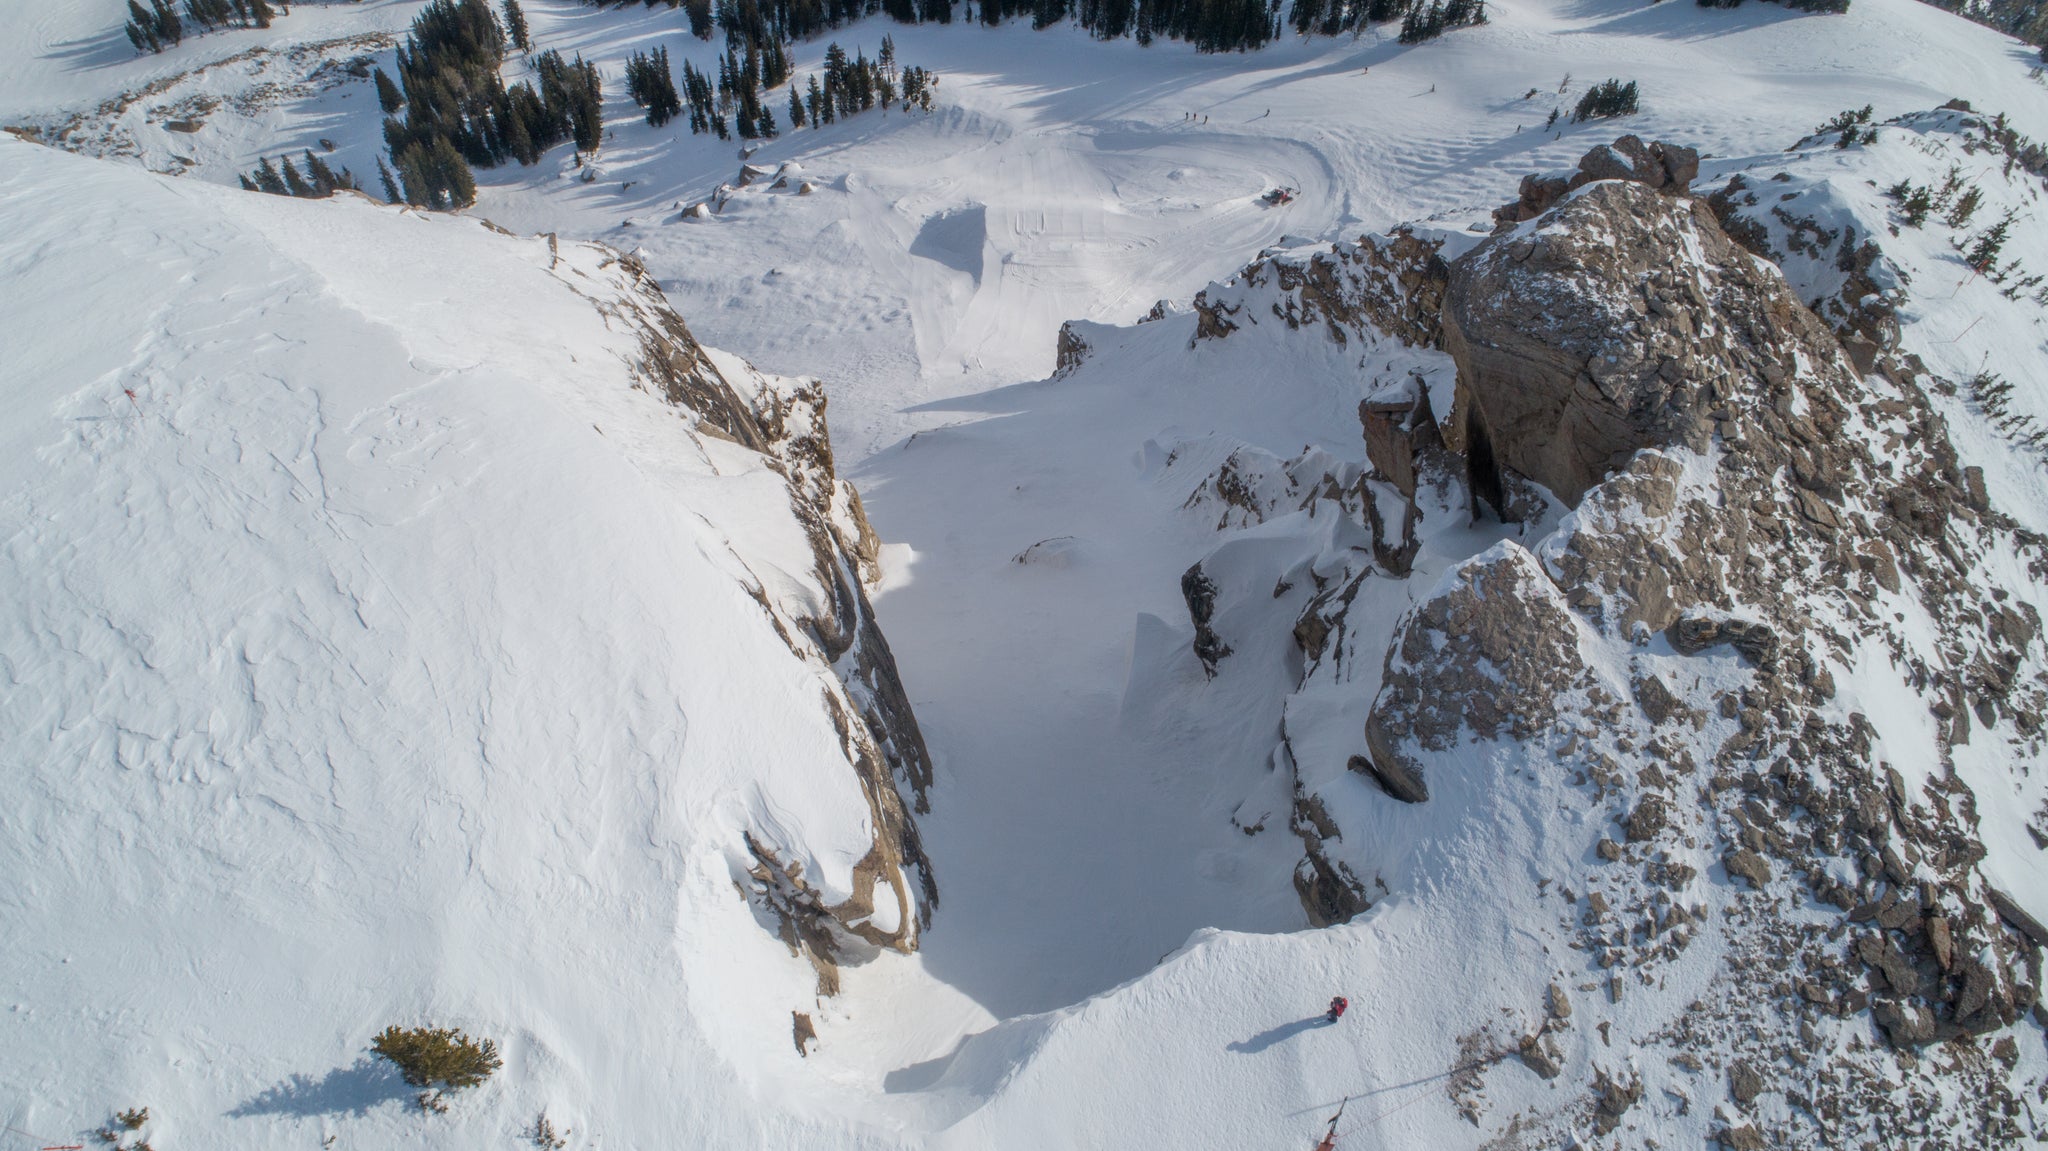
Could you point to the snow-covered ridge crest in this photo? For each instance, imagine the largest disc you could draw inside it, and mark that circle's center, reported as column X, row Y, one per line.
column 783, row 418
column 1375, row 285
column 1919, row 237
column 405, row 621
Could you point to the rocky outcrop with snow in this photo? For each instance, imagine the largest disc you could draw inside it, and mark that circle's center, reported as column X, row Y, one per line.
column 1781, row 652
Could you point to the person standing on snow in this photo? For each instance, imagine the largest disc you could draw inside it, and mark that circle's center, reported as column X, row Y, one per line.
column 1337, row 1007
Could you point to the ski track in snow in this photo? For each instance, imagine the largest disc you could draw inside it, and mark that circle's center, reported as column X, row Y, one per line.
column 1087, row 770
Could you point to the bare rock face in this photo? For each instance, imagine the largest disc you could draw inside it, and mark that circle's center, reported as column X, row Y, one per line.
column 1661, row 167
column 1070, row 351
column 1624, row 319
column 879, row 734
column 1493, row 649
column 1379, row 284
column 1200, row 593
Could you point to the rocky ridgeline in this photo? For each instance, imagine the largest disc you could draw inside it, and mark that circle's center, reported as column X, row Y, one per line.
column 784, row 420
column 1754, row 510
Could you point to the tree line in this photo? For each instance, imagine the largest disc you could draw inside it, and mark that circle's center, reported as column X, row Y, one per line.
column 317, row 182
column 1210, row 25
column 458, row 112
column 159, row 26
column 737, row 103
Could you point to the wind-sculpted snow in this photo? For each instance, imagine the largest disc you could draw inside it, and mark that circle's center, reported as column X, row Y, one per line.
column 393, row 636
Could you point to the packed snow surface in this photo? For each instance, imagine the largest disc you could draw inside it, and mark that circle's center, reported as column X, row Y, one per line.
column 373, row 653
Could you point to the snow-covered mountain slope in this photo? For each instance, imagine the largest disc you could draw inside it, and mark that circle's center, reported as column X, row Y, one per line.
column 1102, row 804
column 404, row 622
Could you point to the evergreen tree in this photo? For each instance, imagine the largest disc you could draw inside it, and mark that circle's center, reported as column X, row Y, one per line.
column 269, row 181
column 208, row 14
column 247, row 186
column 325, row 182
column 296, row 183
column 391, row 193
column 168, row 27
column 435, row 175
column 141, row 29
column 701, row 24
column 260, row 13
column 1607, row 98
column 796, row 107
column 515, row 26
column 387, row 94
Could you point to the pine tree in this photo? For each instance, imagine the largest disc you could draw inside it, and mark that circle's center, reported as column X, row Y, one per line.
column 295, row 182
column 796, row 108
column 260, row 13
column 387, row 94
column 323, row 177
column 457, row 184
column 821, row 108
column 269, row 181
column 168, row 28
column 515, row 25
column 391, row 193
column 765, row 128
column 141, row 29
column 247, row 185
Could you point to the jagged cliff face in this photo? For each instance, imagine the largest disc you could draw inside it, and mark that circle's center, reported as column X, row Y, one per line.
column 784, row 420
column 1760, row 624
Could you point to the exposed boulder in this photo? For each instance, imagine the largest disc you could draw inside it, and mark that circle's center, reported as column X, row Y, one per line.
column 1391, row 285
column 1491, row 650
column 1748, row 865
column 1744, row 1083
column 1200, row 593
column 1540, row 1054
column 1905, row 1023
column 1622, row 320
column 1069, row 353
column 1742, row 1138
column 1614, row 1097
column 1667, row 168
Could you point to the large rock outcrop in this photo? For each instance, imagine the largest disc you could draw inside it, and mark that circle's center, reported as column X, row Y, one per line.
column 1621, row 320
column 1660, row 167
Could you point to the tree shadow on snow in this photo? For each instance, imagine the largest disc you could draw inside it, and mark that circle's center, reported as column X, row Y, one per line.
column 1272, row 1035
column 1675, row 21
column 353, row 1090
column 91, row 53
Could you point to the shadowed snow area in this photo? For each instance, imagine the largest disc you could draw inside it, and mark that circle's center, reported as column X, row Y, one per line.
column 476, row 534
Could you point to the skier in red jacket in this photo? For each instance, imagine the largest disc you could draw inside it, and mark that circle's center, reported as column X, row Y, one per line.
column 1337, row 1007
